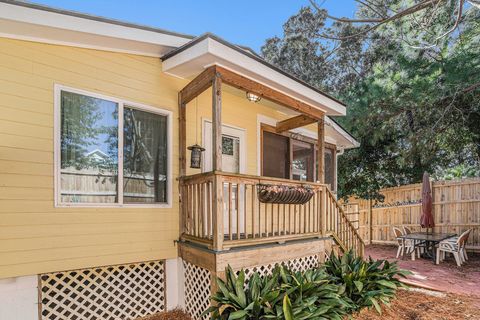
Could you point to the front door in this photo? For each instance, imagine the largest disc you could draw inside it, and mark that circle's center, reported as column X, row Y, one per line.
column 233, row 160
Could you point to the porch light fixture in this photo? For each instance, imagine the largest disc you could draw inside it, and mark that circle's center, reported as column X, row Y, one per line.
column 196, row 156
column 253, row 97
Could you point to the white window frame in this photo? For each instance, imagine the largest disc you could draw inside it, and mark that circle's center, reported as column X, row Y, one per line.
column 121, row 104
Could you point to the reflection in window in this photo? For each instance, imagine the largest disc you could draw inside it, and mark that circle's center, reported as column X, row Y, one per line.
column 89, row 141
column 303, row 161
column 144, row 157
column 230, row 154
column 89, row 137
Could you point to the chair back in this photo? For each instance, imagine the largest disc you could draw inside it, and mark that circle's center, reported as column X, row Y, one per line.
column 407, row 230
column 397, row 232
column 462, row 240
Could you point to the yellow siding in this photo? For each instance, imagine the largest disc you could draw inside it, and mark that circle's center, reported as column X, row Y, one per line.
column 35, row 237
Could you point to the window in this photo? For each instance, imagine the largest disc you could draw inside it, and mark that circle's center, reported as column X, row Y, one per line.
column 292, row 156
column 110, row 152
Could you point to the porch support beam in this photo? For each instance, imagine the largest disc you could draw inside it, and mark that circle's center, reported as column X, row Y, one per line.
column 295, row 122
column 217, row 123
column 321, row 152
column 217, row 206
column 246, row 84
column 182, row 135
column 201, row 83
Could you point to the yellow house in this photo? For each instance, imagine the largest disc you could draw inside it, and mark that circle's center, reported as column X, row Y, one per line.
column 106, row 209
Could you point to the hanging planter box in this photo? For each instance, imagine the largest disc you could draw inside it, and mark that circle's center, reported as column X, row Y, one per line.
column 284, row 194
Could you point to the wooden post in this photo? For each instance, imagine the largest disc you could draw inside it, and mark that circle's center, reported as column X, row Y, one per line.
column 217, row 163
column 182, row 149
column 217, row 211
column 370, row 218
column 321, row 152
column 323, row 211
column 182, row 135
column 217, row 123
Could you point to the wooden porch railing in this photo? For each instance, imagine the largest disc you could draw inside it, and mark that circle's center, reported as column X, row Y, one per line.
column 222, row 210
column 340, row 228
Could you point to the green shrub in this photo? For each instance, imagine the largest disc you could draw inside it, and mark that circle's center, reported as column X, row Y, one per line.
column 282, row 295
column 364, row 283
column 342, row 285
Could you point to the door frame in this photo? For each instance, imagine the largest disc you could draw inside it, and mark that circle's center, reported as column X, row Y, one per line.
column 230, row 130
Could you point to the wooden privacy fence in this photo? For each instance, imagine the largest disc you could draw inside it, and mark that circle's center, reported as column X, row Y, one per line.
column 456, row 208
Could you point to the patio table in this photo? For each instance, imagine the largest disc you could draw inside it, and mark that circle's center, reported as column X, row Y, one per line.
column 429, row 238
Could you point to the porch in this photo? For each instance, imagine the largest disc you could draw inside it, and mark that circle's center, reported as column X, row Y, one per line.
column 221, row 210
column 225, row 217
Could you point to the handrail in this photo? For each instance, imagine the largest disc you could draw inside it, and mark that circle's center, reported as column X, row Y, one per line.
column 358, row 244
column 252, row 177
column 222, row 210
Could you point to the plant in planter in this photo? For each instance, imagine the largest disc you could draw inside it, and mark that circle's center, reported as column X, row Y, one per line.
column 365, row 283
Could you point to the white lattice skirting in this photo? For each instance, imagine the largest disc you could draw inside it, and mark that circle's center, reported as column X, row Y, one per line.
column 113, row 292
column 297, row 264
column 197, row 289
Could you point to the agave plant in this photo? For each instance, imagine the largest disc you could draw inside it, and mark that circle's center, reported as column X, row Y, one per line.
column 309, row 295
column 238, row 300
column 283, row 295
column 365, row 283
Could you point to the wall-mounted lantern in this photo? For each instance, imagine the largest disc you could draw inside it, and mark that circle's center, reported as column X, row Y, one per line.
column 196, row 156
column 253, row 97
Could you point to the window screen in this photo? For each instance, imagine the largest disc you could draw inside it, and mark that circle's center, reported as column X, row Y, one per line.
column 276, row 155
column 330, row 168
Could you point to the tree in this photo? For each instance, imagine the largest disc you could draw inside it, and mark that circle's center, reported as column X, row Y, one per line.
column 413, row 108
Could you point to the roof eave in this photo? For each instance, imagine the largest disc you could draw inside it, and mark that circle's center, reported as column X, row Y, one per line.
column 208, row 49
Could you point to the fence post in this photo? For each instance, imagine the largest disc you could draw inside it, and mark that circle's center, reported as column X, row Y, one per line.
column 370, row 220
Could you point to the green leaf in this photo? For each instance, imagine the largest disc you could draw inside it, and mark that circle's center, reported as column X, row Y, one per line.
column 359, row 285
column 388, row 284
column 240, row 314
column 287, row 308
column 376, row 305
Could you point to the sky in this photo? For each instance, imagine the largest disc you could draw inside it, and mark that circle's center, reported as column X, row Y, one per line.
column 243, row 22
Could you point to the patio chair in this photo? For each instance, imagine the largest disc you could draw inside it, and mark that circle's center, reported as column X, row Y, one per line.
column 404, row 245
column 455, row 247
column 418, row 243
column 464, row 246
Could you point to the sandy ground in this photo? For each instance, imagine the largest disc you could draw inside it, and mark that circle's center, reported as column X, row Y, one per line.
column 445, row 277
column 410, row 305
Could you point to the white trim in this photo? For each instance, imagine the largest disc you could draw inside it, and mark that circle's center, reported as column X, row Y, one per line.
column 58, row 88
column 345, row 134
column 35, row 24
column 209, row 51
column 226, row 129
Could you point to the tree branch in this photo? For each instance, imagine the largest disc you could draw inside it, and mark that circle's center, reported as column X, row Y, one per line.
column 413, row 9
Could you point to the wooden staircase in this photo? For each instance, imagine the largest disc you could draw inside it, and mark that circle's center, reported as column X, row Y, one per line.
column 339, row 227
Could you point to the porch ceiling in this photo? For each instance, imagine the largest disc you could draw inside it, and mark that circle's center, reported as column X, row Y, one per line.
column 205, row 51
